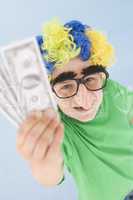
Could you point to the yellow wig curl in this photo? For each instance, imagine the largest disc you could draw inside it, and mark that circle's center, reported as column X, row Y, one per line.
column 60, row 46
column 58, row 43
column 102, row 53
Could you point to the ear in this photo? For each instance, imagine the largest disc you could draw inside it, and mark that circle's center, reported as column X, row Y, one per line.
column 103, row 76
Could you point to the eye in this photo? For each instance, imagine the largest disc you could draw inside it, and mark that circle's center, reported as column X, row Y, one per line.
column 88, row 79
column 67, row 87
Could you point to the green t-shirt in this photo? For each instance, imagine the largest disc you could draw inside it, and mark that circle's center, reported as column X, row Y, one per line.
column 99, row 153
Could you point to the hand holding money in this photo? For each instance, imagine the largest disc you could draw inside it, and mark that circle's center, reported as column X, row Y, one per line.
column 24, row 89
column 24, row 81
column 39, row 141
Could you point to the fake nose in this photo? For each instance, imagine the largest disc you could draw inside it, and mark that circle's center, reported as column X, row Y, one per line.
column 83, row 98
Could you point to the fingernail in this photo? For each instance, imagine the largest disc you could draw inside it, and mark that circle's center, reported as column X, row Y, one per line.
column 51, row 113
column 32, row 113
column 39, row 114
column 35, row 114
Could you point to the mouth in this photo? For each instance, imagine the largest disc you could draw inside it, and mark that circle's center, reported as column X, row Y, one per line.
column 81, row 109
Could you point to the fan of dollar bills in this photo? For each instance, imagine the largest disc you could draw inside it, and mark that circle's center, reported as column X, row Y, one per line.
column 24, row 84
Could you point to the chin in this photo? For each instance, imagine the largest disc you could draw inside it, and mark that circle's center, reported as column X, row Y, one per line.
column 85, row 118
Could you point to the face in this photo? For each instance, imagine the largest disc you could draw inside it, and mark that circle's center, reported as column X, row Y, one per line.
column 85, row 104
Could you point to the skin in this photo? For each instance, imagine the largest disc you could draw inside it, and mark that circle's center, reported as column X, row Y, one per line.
column 40, row 135
column 90, row 101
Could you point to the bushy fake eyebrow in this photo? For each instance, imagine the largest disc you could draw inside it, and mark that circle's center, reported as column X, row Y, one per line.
column 88, row 70
column 70, row 75
column 64, row 76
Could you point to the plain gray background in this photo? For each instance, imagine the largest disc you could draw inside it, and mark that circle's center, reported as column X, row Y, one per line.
column 21, row 19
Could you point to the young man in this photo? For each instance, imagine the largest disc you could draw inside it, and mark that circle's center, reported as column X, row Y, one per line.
column 93, row 136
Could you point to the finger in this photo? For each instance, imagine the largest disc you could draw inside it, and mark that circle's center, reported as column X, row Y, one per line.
column 49, row 113
column 24, row 128
column 26, row 147
column 45, row 140
column 32, row 137
column 55, row 147
column 30, row 122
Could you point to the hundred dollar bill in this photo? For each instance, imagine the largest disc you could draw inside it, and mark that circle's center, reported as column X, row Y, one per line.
column 7, row 109
column 9, row 100
column 25, row 64
column 8, row 92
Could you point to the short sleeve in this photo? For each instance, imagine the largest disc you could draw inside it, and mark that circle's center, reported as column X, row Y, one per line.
column 62, row 180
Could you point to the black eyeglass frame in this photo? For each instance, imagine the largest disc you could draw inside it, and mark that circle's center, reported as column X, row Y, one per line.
column 81, row 80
